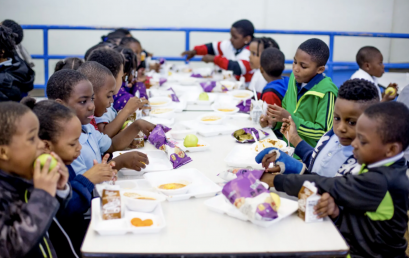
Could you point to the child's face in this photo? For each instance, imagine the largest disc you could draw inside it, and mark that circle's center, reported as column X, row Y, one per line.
column 104, row 96
column 82, row 101
column 18, row 157
column 137, row 49
column 375, row 67
column 67, row 146
column 304, row 68
column 254, row 58
column 368, row 146
column 346, row 114
column 119, row 79
column 236, row 39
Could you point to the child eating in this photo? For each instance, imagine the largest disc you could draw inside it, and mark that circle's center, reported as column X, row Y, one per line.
column 74, row 90
column 233, row 54
column 30, row 197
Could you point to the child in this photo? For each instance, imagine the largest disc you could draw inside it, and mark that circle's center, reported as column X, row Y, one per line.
column 371, row 67
column 16, row 77
column 256, row 47
column 74, row 90
column 373, row 217
column 69, row 63
column 310, row 96
column 136, row 47
column 333, row 153
column 230, row 54
column 30, row 197
column 60, row 130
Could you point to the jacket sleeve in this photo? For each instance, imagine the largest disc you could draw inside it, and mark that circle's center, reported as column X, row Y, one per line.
column 240, row 67
column 360, row 192
column 206, row 49
column 323, row 121
column 23, row 226
column 304, row 151
column 271, row 98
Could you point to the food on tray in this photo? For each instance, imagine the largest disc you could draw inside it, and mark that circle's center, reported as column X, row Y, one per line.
column 241, row 95
column 158, row 103
column 138, row 196
column 225, row 109
column 111, row 203
column 137, row 222
column 246, row 135
column 191, row 140
column 161, row 111
column 171, row 186
column 204, row 96
column 43, row 158
column 210, row 118
column 268, row 143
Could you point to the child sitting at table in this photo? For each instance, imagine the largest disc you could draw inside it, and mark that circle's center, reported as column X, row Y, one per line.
column 371, row 67
column 60, row 130
column 233, row 54
column 333, row 153
column 136, row 46
column 373, row 217
column 30, row 197
column 310, row 96
column 256, row 48
column 69, row 63
column 74, row 90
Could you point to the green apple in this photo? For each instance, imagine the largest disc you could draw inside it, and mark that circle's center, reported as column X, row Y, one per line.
column 126, row 124
column 43, row 158
column 204, row 96
column 191, row 140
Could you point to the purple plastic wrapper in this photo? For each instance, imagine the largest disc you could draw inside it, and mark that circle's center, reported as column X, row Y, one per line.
column 248, row 131
column 224, row 89
column 196, row 75
column 162, row 60
column 158, row 137
column 140, row 86
column 176, row 155
column 208, row 86
column 244, row 106
column 173, row 96
column 162, row 81
column 248, row 195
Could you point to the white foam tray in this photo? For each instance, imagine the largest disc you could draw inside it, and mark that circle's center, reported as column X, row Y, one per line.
column 158, row 161
column 242, row 156
column 202, row 185
column 157, row 120
column 210, row 130
column 221, row 205
column 192, row 98
column 192, row 149
column 123, row 225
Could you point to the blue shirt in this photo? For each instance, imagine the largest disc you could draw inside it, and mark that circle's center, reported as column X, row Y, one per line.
column 94, row 144
column 331, row 157
column 108, row 116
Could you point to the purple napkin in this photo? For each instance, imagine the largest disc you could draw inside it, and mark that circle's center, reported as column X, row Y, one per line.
column 208, row 86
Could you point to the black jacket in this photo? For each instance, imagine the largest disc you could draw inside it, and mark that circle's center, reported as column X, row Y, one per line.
column 373, row 220
column 15, row 80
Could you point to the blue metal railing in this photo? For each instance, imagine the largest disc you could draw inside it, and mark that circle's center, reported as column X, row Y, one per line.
column 331, row 65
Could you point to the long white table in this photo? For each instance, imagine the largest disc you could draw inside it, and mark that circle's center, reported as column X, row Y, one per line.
column 193, row 230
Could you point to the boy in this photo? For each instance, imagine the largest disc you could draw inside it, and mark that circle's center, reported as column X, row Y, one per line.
column 310, row 96
column 230, row 54
column 373, row 217
column 371, row 67
column 333, row 154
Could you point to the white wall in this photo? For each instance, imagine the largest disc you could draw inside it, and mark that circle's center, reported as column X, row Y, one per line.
column 335, row 15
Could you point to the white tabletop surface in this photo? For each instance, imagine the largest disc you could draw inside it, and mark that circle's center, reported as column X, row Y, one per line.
column 193, row 229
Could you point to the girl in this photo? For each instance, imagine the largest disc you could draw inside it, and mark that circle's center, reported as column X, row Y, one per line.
column 60, row 130
column 256, row 48
column 68, row 63
column 75, row 91
column 141, row 54
column 30, row 198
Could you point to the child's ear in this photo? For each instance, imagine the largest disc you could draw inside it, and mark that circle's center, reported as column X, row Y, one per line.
column 48, row 146
column 247, row 39
column 261, row 70
column 393, row 149
column 4, row 152
column 60, row 101
column 321, row 69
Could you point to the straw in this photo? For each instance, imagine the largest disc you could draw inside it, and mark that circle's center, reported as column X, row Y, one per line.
column 254, row 136
column 255, row 93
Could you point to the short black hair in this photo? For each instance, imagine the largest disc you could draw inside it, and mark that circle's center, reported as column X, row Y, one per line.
column 109, row 58
column 16, row 28
column 266, row 42
column 245, row 27
column 51, row 116
column 10, row 113
column 123, row 31
column 366, row 54
column 129, row 58
column 359, row 90
column 272, row 61
column 127, row 40
column 69, row 63
column 96, row 73
column 317, row 49
column 61, row 83
column 392, row 120
column 99, row 45
column 7, row 42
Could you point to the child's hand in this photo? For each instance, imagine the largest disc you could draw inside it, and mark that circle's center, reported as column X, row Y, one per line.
column 326, row 206
column 62, row 182
column 155, row 67
column 390, row 97
column 189, row 54
column 144, row 126
column 132, row 160
column 134, row 104
column 208, row 58
column 101, row 172
column 289, row 127
column 268, row 179
column 277, row 113
column 44, row 179
column 264, row 121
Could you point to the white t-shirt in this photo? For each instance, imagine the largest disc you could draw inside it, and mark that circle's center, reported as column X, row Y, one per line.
column 361, row 74
column 257, row 81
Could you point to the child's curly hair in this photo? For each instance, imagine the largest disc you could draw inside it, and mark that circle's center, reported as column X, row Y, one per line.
column 7, row 42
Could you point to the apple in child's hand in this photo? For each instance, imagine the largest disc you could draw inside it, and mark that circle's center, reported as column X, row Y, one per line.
column 126, row 124
column 43, row 158
column 391, row 91
column 191, row 140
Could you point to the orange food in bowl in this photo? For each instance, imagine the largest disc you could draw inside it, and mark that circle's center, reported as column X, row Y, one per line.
column 137, row 222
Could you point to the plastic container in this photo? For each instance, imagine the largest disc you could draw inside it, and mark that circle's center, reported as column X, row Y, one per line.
column 219, row 117
column 142, row 205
